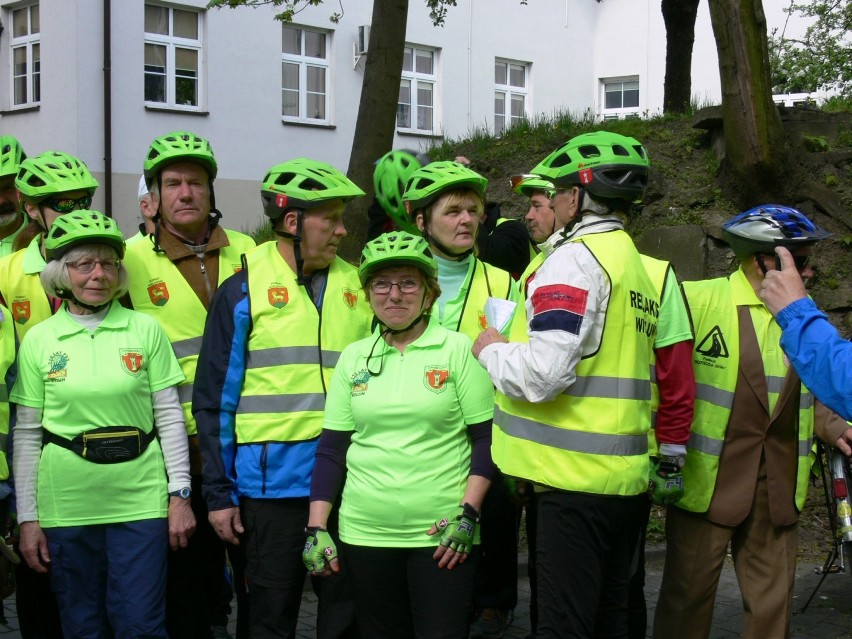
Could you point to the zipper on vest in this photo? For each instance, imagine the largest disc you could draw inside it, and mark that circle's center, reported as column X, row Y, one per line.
column 207, row 284
column 263, row 455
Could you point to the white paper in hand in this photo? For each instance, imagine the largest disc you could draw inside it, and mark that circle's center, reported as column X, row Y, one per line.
column 498, row 312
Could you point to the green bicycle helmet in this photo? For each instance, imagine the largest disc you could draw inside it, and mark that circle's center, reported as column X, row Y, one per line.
column 53, row 172
column 429, row 182
column 304, row 184
column 396, row 248
column 178, row 146
column 528, row 184
column 82, row 227
column 607, row 165
column 389, row 179
column 11, row 155
column 762, row 228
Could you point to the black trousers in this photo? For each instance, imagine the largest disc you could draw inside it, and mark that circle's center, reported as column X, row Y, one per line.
column 586, row 545
column 197, row 589
column 400, row 593
column 637, row 609
column 274, row 540
column 496, row 583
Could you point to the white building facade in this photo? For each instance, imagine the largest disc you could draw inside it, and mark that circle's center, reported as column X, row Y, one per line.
column 101, row 78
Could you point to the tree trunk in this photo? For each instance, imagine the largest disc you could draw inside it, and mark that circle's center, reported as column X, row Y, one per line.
column 757, row 164
column 679, row 17
column 376, row 122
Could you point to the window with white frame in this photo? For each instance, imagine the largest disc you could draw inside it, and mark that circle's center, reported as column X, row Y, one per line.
column 173, row 56
column 620, row 97
column 415, row 110
column 26, row 56
column 510, row 94
column 305, row 75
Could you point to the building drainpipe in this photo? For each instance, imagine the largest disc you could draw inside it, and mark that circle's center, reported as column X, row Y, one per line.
column 107, row 109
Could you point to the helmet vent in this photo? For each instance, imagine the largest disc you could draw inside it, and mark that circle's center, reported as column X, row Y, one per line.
column 591, row 151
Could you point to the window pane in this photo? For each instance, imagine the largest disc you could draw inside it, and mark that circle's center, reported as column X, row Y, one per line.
column 314, row 44
column 36, row 73
column 156, row 19
column 424, row 119
column 631, row 94
column 424, row 94
column 290, row 76
column 316, row 79
column 290, row 103
column 517, row 106
column 499, row 124
column 424, row 62
column 612, row 99
column 517, row 75
column 19, row 23
column 500, row 73
column 155, row 73
column 35, row 27
column 186, row 62
column 316, row 106
column 186, row 90
column 186, row 24
column 407, row 58
column 292, row 41
column 500, row 104
column 20, row 74
column 403, row 109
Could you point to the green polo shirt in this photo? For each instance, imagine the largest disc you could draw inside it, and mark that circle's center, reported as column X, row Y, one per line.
column 410, row 455
column 84, row 379
column 673, row 324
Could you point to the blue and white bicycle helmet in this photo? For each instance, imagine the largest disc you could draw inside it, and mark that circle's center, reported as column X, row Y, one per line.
column 761, row 229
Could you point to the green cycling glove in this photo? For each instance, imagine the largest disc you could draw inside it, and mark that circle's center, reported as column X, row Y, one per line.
column 666, row 480
column 319, row 549
column 458, row 533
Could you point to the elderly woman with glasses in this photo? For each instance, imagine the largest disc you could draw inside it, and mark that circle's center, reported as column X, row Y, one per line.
column 408, row 423
column 101, row 459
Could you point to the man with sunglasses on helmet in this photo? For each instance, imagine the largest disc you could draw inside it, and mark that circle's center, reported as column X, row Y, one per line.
column 820, row 356
column 12, row 221
column 749, row 454
column 173, row 274
column 275, row 332
column 574, row 387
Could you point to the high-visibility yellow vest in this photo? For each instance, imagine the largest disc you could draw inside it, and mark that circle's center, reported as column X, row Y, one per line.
column 593, row 437
column 7, row 359
column 485, row 281
column 21, row 287
column 715, row 359
column 293, row 347
column 157, row 288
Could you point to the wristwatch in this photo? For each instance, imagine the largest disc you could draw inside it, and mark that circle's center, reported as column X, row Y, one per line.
column 183, row 493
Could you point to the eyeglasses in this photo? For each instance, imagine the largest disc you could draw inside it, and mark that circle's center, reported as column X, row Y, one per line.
column 109, row 265
column 67, row 204
column 383, row 287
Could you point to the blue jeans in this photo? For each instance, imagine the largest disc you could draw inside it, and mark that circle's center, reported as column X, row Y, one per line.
column 110, row 579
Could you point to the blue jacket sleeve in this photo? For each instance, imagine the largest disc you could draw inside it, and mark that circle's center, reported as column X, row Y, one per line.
column 820, row 356
column 216, row 391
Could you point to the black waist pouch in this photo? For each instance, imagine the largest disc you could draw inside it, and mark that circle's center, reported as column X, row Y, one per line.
column 107, row 445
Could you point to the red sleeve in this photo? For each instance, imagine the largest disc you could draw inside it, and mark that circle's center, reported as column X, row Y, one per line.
column 676, row 383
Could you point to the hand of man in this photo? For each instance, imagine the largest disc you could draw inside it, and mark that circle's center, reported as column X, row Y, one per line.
column 227, row 524
column 781, row 288
column 320, row 554
column 181, row 522
column 844, row 442
column 666, row 481
column 486, row 337
column 457, row 534
column 33, row 546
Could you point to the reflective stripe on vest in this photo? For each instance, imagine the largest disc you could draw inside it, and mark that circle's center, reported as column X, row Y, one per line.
column 714, row 315
column 158, row 289
column 593, row 437
column 293, row 348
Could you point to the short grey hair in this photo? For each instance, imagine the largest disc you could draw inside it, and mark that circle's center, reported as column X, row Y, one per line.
column 55, row 278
